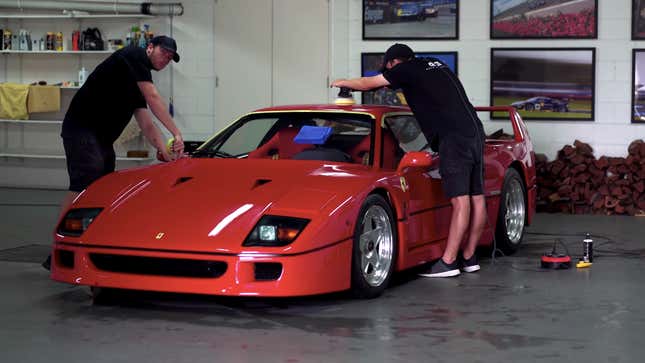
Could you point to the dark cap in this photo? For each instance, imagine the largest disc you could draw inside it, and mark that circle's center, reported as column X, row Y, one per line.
column 168, row 44
column 396, row 51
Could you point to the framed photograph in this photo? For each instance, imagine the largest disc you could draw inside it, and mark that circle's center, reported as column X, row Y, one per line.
column 419, row 19
column 544, row 19
column 544, row 83
column 638, row 86
column 370, row 64
column 638, row 19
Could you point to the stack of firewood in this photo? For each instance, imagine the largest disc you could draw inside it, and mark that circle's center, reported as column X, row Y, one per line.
column 577, row 182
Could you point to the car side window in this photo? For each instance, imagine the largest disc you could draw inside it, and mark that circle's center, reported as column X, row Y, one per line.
column 407, row 132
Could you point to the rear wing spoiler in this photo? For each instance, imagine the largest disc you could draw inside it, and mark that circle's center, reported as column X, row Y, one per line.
column 519, row 128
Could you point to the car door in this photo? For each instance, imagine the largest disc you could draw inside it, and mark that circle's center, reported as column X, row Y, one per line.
column 428, row 208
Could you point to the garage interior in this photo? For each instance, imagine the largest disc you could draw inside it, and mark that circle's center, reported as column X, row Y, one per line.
column 238, row 56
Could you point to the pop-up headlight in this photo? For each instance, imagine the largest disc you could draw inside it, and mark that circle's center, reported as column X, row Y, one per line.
column 275, row 231
column 77, row 221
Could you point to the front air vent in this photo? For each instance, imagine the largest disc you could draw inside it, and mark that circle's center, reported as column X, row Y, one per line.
column 157, row 266
column 267, row 271
column 182, row 180
column 260, row 182
column 65, row 258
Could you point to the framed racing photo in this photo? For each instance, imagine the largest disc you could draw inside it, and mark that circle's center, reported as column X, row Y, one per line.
column 544, row 19
column 418, row 19
column 638, row 86
column 638, row 19
column 544, row 83
column 370, row 64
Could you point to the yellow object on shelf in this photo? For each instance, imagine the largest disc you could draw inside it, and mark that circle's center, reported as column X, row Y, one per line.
column 43, row 99
column 13, row 101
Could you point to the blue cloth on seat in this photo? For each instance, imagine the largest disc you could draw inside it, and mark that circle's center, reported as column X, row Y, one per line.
column 316, row 135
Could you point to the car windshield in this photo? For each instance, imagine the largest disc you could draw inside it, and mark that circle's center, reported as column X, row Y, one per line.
column 332, row 136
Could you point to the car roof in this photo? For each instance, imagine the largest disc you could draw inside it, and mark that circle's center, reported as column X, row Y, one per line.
column 375, row 110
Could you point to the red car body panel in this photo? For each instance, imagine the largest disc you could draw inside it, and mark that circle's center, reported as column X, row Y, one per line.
column 203, row 209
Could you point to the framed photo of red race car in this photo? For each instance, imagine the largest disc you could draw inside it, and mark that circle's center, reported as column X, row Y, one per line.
column 370, row 64
column 544, row 19
column 544, row 83
column 405, row 19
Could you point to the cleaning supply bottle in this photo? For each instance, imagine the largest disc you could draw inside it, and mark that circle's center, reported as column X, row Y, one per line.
column 587, row 248
column 82, row 75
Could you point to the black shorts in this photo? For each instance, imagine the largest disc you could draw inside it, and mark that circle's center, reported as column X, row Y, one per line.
column 461, row 165
column 87, row 159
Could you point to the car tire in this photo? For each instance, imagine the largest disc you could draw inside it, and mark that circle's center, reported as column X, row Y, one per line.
column 374, row 248
column 529, row 107
column 511, row 217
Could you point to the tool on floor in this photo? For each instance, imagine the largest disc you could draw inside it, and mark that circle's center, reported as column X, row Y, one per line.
column 554, row 260
column 587, row 252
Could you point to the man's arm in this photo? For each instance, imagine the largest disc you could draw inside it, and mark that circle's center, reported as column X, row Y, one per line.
column 362, row 83
column 152, row 132
column 159, row 109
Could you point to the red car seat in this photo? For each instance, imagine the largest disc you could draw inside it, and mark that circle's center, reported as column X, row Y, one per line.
column 361, row 152
column 280, row 146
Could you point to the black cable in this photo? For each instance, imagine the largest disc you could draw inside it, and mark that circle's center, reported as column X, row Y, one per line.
column 614, row 252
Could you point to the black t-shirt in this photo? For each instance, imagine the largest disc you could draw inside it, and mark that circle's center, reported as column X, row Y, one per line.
column 107, row 100
column 436, row 97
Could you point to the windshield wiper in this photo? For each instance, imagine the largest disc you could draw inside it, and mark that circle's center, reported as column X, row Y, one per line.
column 211, row 153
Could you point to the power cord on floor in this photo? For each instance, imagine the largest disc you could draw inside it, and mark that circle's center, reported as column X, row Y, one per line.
column 561, row 238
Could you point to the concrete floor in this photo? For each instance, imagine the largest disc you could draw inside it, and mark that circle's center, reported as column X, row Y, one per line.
column 511, row 311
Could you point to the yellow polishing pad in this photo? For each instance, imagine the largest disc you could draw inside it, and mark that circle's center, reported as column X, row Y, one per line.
column 169, row 144
column 344, row 101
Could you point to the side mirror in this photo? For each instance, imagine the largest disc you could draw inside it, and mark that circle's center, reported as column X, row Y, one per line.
column 415, row 159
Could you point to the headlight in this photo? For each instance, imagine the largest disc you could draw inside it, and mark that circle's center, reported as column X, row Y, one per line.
column 275, row 231
column 77, row 221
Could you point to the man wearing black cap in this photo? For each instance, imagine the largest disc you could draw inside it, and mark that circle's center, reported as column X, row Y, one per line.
column 439, row 102
column 118, row 88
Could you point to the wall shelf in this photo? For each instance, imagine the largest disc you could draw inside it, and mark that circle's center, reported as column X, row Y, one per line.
column 61, row 157
column 38, row 122
column 72, row 16
column 56, row 51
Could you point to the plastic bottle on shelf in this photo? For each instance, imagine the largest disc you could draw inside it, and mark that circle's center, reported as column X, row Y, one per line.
column 82, row 75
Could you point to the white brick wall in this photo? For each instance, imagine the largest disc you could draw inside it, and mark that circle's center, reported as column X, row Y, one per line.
column 609, row 134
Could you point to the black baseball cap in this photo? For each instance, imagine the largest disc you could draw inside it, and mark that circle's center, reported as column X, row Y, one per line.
column 396, row 51
column 168, row 44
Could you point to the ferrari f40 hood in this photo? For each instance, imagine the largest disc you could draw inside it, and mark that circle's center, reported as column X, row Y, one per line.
column 211, row 204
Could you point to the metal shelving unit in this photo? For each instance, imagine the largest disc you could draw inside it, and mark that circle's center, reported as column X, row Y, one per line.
column 7, row 152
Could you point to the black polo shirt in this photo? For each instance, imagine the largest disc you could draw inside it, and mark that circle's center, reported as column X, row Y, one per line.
column 436, row 97
column 107, row 100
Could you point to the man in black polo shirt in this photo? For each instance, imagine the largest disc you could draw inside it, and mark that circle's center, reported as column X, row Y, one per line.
column 118, row 88
column 439, row 102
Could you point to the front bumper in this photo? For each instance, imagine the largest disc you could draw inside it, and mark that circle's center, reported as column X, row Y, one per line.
column 319, row 271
